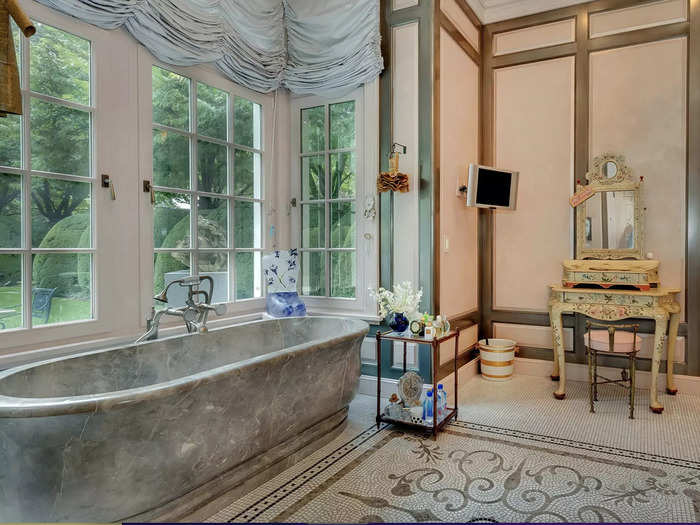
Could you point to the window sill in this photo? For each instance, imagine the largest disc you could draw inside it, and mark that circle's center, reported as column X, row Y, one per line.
column 40, row 354
column 370, row 318
column 50, row 352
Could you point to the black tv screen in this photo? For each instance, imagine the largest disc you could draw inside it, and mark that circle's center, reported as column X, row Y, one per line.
column 494, row 187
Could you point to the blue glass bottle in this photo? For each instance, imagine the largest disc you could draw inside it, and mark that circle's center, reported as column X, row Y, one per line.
column 428, row 408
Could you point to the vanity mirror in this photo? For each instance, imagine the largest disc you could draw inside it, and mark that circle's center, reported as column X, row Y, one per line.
column 609, row 224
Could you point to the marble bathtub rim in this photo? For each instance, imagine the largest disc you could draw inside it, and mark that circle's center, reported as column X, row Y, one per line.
column 23, row 407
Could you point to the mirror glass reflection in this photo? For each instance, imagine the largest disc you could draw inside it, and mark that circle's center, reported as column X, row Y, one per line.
column 610, row 169
column 610, row 220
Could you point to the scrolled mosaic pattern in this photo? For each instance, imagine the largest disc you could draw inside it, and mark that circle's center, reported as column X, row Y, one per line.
column 475, row 473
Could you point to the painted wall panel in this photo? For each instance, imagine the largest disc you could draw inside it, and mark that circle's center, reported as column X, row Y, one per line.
column 459, row 18
column 638, row 17
column 405, row 131
column 643, row 117
column 368, row 350
column 467, row 339
column 535, row 37
column 541, row 337
column 532, row 336
column 459, row 146
column 534, row 134
column 402, row 4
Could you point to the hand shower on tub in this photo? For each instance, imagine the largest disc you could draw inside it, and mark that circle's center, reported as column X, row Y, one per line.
column 194, row 314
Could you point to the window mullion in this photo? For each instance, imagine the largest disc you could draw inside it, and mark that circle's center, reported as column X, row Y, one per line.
column 194, row 202
column 26, row 156
column 233, row 282
column 327, row 206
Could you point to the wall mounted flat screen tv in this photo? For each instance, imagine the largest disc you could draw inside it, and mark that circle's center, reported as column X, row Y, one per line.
column 491, row 187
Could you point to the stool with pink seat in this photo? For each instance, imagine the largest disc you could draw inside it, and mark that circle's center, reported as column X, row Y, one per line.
column 613, row 339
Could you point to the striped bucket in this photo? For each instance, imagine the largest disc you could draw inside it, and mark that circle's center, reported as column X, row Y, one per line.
column 497, row 359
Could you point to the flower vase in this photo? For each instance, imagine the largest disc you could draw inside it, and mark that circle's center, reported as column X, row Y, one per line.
column 398, row 322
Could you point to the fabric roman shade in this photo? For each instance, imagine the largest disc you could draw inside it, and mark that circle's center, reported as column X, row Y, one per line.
column 308, row 46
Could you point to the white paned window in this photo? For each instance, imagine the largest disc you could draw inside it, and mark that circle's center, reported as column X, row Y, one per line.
column 207, row 175
column 334, row 226
column 47, row 184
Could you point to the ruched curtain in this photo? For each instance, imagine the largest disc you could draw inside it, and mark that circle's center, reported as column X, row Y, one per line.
column 308, row 46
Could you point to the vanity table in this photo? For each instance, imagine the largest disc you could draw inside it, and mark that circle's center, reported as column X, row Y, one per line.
column 609, row 281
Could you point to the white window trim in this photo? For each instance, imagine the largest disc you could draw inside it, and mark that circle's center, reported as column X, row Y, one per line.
column 366, row 228
column 98, row 324
column 210, row 76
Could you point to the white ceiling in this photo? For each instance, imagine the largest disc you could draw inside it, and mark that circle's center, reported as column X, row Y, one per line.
column 490, row 11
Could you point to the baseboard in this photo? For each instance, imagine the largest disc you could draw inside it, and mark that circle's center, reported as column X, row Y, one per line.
column 368, row 384
column 579, row 372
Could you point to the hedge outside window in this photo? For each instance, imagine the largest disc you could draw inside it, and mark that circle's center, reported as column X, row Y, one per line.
column 207, row 173
column 46, row 185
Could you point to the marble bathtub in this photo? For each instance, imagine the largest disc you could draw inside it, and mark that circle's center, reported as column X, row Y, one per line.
column 107, row 435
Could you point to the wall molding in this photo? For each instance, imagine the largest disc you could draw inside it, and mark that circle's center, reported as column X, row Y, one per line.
column 687, row 384
column 581, row 50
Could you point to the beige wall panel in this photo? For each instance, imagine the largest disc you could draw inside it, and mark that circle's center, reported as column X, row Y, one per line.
column 560, row 32
column 532, row 336
column 534, row 134
column 402, row 4
column 647, row 349
column 638, row 17
column 461, row 21
column 404, row 98
column 638, row 109
column 459, row 146
column 467, row 339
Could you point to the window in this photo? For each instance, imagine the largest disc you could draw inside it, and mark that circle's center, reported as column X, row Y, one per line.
column 46, row 185
column 207, row 174
column 337, row 243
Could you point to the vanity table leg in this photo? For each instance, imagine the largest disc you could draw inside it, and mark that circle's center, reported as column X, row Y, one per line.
column 671, row 354
column 659, row 335
column 555, row 359
column 556, row 321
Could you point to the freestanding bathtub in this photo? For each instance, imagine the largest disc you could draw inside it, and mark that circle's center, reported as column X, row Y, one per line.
column 111, row 434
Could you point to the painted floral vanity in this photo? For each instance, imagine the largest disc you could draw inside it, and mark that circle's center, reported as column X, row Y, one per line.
column 609, row 280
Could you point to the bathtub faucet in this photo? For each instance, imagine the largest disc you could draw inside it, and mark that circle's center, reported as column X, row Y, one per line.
column 194, row 314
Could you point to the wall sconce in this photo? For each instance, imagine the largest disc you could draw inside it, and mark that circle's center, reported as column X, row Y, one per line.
column 393, row 180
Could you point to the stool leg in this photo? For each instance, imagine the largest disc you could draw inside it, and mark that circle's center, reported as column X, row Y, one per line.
column 595, row 375
column 590, row 378
column 633, row 370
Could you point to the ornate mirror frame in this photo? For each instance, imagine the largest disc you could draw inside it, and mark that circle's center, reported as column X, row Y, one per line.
column 599, row 182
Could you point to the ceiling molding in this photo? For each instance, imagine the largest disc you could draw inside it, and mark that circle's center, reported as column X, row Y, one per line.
column 490, row 11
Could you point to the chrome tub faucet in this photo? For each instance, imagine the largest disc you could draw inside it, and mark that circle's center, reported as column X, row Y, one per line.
column 194, row 314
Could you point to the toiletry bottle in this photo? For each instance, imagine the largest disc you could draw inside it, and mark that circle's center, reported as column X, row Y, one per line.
column 428, row 408
column 442, row 402
column 429, row 331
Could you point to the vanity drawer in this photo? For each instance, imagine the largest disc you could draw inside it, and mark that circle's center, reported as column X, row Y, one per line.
column 604, row 298
column 609, row 277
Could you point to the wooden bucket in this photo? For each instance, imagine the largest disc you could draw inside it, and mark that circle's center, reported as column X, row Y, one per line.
column 497, row 359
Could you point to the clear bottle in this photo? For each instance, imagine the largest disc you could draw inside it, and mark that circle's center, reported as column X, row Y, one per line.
column 428, row 408
column 442, row 402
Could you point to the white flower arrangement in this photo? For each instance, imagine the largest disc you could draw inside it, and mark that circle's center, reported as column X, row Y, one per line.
column 404, row 299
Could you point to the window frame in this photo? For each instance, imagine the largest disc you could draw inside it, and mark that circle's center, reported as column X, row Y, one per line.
column 366, row 200
column 207, row 75
column 97, row 324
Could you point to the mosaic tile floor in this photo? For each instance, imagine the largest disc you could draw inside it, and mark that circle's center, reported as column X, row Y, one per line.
column 517, row 457
column 471, row 474
column 526, row 403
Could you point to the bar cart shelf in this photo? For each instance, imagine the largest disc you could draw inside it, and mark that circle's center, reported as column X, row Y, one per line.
column 450, row 413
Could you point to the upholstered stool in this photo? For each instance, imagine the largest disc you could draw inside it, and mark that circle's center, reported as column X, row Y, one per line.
column 612, row 341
